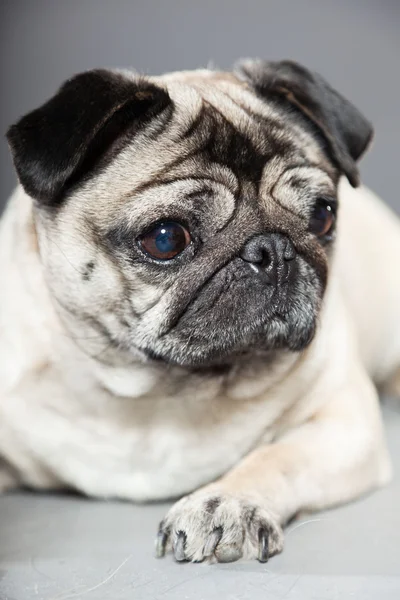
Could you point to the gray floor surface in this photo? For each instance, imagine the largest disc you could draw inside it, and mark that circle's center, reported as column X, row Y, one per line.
column 66, row 547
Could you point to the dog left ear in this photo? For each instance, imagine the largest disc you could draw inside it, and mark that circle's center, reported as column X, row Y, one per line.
column 344, row 128
column 58, row 144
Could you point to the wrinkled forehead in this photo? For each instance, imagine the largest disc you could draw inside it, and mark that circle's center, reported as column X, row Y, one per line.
column 217, row 133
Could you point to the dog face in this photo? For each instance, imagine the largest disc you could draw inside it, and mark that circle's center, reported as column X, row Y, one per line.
column 189, row 218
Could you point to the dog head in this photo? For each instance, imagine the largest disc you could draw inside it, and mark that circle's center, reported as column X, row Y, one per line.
column 189, row 218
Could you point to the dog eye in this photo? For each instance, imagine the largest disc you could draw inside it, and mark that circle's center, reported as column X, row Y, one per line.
column 165, row 240
column 322, row 218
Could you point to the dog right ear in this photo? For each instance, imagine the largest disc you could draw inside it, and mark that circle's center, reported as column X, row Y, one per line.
column 56, row 145
column 346, row 131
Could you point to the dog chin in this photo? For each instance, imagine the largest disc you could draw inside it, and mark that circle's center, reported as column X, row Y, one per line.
column 220, row 360
column 207, row 360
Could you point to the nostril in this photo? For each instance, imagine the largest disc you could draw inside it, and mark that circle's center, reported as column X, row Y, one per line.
column 265, row 258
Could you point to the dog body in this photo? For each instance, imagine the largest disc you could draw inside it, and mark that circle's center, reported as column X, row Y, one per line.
column 125, row 377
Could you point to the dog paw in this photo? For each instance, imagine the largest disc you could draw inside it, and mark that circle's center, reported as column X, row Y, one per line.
column 218, row 527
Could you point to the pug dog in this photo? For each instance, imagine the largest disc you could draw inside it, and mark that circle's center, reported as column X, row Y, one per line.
column 198, row 300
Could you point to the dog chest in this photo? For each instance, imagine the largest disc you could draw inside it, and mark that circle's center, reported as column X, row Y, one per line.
column 140, row 449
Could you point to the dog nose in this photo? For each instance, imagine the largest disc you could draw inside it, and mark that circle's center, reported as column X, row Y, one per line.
column 272, row 255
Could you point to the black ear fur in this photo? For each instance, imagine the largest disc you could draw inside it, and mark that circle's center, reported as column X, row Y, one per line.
column 344, row 128
column 54, row 146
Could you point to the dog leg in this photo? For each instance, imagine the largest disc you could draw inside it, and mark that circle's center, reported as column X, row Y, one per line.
column 334, row 457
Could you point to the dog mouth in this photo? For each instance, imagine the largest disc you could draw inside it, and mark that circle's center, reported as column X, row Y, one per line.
column 201, row 340
column 238, row 315
column 214, row 297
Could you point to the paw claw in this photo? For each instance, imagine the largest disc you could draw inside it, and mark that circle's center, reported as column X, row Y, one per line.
column 212, row 542
column 179, row 546
column 161, row 541
column 263, row 545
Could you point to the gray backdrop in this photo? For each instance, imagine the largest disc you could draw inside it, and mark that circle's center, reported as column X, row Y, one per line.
column 354, row 43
